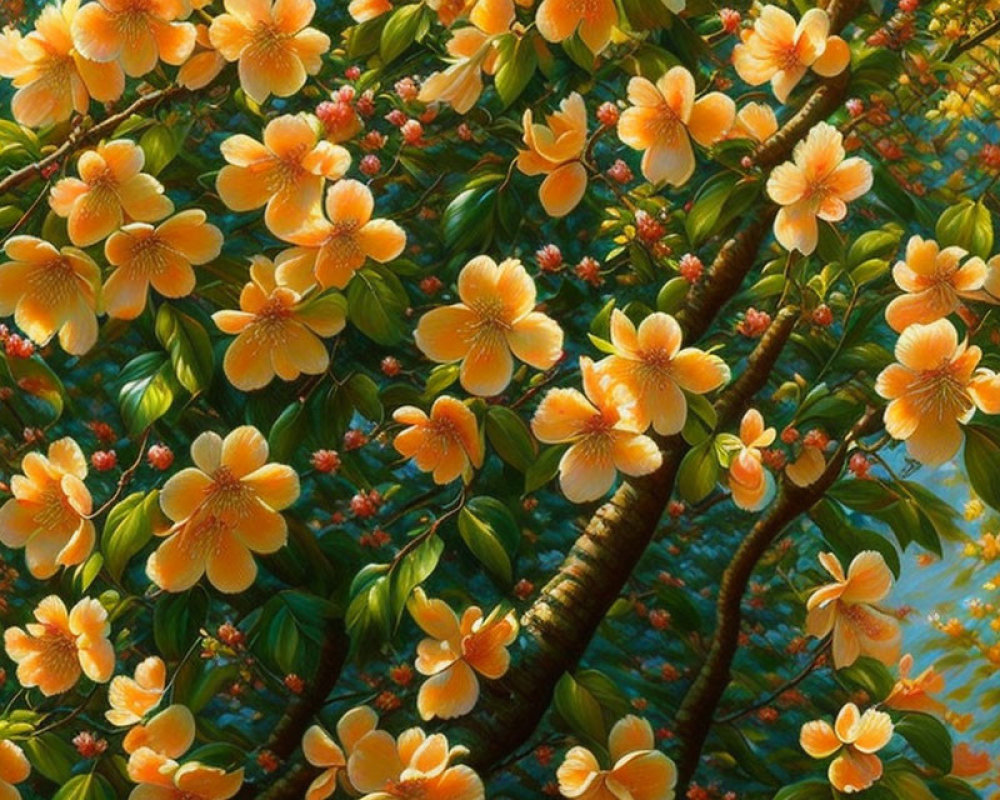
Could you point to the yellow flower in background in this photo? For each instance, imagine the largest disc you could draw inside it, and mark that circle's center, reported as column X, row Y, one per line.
column 60, row 646
column 593, row 21
column 751, row 485
column 277, row 330
column 855, row 738
column 472, row 47
column 638, row 769
column 112, row 189
column 273, row 43
column 132, row 698
column 845, row 608
column 286, row 172
column 653, row 372
column 135, row 33
column 664, row 117
column 816, row 184
column 415, row 764
column 934, row 280
column 224, row 509
column 160, row 256
column 602, row 432
column 52, row 78
column 456, row 652
column 330, row 250
column 48, row 514
column 556, row 150
column 51, row 291
column 446, row 442
column 778, row 50
column 14, row 768
column 934, row 389
column 320, row 749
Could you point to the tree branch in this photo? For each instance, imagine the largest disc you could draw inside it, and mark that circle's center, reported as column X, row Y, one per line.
column 696, row 714
column 84, row 135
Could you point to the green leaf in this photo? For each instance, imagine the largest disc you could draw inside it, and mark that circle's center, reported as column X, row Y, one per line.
column 806, row 790
column 400, row 31
column 128, row 528
column 467, row 220
column 580, row 710
column 509, row 436
column 51, row 756
column 86, row 787
column 363, row 392
column 698, row 473
column 684, row 614
column 670, row 298
column 288, row 432
column 982, row 463
column 967, row 225
column 161, row 143
column 518, row 61
column 282, row 641
column 33, row 375
column 544, row 468
column 906, row 786
column 880, row 244
column 721, row 199
column 415, row 568
column 929, row 738
column 148, row 391
column 490, row 531
column 177, row 622
column 190, row 349
column 376, row 302
column 870, row 675
column 369, row 614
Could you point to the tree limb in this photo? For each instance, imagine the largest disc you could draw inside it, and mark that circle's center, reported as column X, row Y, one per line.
column 696, row 715
column 85, row 135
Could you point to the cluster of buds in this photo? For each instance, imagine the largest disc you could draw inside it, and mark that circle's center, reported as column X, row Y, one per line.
column 326, row 461
column 104, row 460
column 294, row 683
column 648, row 228
column 366, row 504
column 375, row 539
column 88, row 745
column 549, row 258
column 355, row 439
column 620, row 172
column 589, row 271
column 15, row 345
column 754, row 323
column 431, row 285
column 401, row 675
column 690, row 268
column 104, row 432
column 339, row 116
column 159, row 456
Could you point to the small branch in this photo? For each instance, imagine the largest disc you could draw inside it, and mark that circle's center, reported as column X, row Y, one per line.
column 963, row 45
column 695, row 716
column 804, row 673
column 83, row 135
column 124, row 480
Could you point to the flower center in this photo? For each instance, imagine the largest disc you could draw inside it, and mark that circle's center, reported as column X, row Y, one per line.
column 53, row 282
column 491, row 319
column 940, row 394
column 866, row 623
column 55, row 512
column 59, row 647
column 414, row 789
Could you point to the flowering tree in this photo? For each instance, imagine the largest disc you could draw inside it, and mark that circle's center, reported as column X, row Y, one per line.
column 464, row 398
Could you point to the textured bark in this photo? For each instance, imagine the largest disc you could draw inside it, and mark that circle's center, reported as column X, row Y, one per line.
column 287, row 733
column 561, row 622
column 697, row 712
